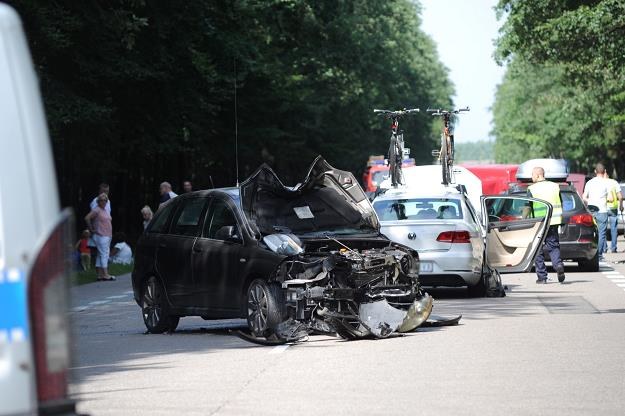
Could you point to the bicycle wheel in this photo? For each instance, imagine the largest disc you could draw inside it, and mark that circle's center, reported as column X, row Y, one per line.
column 395, row 156
column 444, row 160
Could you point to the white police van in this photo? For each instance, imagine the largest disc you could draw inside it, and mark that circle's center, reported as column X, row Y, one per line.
column 34, row 237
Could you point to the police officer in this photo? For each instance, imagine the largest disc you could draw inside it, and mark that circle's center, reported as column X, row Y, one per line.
column 550, row 192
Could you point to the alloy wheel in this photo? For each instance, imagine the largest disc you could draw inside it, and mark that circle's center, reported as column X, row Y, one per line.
column 257, row 308
column 152, row 303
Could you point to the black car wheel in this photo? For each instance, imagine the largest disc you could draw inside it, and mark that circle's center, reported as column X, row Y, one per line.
column 265, row 307
column 155, row 310
column 591, row 265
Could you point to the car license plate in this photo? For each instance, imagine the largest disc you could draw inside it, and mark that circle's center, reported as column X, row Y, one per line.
column 426, row 266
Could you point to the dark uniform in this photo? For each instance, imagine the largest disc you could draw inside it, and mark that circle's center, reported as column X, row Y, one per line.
column 550, row 192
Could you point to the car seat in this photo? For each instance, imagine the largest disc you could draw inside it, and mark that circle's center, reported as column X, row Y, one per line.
column 447, row 211
column 426, row 214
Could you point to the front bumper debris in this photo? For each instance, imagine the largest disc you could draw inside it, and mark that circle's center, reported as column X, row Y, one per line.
column 382, row 319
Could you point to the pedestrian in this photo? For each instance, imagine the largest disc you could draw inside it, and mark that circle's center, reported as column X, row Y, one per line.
column 596, row 198
column 82, row 246
column 550, row 192
column 166, row 192
column 104, row 189
column 121, row 253
column 100, row 224
column 615, row 204
column 147, row 214
column 187, row 187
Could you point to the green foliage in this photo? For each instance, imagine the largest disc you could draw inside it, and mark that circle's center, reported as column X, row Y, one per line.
column 562, row 95
column 139, row 92
column 478, row 151
column 89, row 276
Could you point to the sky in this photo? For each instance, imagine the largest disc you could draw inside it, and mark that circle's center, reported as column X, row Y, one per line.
column 464, row 31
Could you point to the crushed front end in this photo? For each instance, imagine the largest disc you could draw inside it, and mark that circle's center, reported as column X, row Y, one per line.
column 355, row 293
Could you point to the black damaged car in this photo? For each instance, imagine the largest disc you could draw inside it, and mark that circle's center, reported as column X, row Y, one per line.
column 291, row 260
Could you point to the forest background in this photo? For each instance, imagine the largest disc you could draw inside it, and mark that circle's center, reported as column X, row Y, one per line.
column 138, row 92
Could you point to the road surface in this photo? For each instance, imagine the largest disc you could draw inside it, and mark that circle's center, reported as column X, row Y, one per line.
column 555, row 349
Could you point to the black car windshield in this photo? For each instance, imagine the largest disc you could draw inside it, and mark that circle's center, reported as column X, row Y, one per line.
column 418, row 209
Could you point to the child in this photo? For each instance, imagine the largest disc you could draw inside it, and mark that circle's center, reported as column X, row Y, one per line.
column 84, row 250
column 121, row 253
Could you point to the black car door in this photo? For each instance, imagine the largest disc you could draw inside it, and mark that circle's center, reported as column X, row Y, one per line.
column 216, row 257
column 173, row 258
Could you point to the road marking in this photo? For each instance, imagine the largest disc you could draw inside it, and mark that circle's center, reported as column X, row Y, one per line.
column 98, row 302
column 620, row 284
column 279, row 349
column 108, row 299
column 117, row 297
column 611, row 272
column 615, row 276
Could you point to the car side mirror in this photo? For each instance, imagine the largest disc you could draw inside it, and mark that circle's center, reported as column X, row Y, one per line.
column 228, row 233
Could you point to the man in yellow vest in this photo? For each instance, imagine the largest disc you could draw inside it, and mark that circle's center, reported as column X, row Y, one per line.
column 550, row 192
column 614, row 205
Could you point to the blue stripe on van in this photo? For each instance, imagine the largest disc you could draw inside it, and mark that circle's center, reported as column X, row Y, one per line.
column 13, row 304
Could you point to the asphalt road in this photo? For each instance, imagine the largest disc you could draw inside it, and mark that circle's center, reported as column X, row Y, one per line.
column 555, row 349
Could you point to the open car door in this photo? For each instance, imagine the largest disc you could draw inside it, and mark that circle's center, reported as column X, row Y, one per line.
column 515, row 229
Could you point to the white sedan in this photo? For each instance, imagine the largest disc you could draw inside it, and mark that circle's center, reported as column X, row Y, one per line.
column 442, row 225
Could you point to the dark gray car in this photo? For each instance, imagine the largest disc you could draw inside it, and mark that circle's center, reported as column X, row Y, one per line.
column 290, row 260
column 578, row 232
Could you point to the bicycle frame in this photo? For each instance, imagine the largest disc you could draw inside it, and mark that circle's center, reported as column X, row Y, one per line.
column 396, row 145
column 447, row 153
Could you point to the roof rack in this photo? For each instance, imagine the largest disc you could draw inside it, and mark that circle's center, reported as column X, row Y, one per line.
column 555, row 169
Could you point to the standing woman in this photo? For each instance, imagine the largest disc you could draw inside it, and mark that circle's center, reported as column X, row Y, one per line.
column 147, row 214
column 100, row 223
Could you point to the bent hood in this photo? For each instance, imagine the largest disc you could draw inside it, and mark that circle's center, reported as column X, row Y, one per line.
column 327, row 200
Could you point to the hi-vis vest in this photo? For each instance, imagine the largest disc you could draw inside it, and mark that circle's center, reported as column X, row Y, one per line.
column 550, row 192
column 613, row 190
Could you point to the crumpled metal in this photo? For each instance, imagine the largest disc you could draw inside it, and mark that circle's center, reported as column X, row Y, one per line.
column 382, row 319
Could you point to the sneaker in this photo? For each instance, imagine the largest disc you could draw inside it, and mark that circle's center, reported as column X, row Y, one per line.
column 560, row 271
column 614, row 251
column 541, row 281
column 601, row 258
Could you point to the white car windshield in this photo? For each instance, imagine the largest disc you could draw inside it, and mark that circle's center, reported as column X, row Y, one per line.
column 418, row 209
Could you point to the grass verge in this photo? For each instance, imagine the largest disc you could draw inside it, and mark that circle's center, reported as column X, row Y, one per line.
column 88, row 276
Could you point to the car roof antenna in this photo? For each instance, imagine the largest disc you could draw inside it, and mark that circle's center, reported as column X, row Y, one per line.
column 236, row 127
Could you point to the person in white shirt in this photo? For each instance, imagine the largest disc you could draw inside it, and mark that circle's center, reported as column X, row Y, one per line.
column 104, row 189
column 121, row 253
column 166, row 192
column 596, row 197
column 614, row 206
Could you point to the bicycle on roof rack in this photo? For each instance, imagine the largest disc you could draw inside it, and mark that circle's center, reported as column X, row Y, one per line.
column 446, row 153
column 396, row 148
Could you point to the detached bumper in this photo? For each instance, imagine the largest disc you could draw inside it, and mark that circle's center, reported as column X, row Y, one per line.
column 382, row 319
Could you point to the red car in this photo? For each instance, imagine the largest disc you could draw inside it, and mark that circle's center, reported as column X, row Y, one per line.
column 377, row 170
